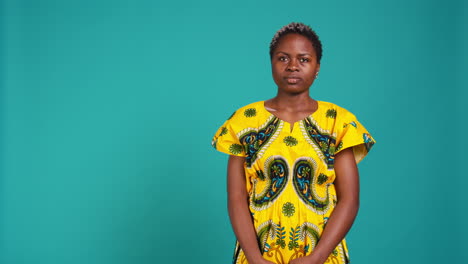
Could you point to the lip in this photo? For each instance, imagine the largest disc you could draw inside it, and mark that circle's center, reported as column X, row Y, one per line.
column 292, row 79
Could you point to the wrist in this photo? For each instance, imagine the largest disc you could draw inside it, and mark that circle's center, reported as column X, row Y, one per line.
column 256, row 258
column 317, row 257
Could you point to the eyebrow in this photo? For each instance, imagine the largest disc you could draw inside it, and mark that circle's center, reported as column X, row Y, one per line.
column 300, row 54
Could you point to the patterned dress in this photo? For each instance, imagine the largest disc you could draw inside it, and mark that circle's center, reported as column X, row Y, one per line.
column 289, row 172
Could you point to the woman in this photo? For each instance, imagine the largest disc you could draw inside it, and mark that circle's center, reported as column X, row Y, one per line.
column 293, row 184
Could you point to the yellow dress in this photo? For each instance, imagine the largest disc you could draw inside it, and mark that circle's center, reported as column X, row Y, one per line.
column 289, row 170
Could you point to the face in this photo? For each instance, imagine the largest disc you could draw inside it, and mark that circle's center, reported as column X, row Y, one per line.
column 294, row 64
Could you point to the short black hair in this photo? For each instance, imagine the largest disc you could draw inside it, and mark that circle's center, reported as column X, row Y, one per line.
column 301, row 29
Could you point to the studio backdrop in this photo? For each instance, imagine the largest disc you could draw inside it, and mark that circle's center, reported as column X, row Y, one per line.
column 108, row 109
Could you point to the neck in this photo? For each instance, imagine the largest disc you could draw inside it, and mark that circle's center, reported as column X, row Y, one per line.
column 293, row 102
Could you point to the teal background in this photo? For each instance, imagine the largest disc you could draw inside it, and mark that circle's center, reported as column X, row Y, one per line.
column 108, row 109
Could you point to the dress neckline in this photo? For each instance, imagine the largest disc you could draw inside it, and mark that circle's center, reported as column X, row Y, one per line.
column 291, row 125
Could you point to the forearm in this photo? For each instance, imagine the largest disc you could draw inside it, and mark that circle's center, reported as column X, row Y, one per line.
column 241, row 221
column 342, row 217
column 336, row 228
column 239, row 212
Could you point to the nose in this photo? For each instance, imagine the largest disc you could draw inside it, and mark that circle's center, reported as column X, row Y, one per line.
column 292, row 65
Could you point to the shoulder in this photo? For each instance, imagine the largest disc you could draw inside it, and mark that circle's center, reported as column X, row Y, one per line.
column 331, row 110
column 227, row 138
column 255, row 105
column 248, row 112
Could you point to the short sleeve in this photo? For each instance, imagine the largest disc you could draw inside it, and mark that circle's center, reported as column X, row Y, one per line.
column 352, row 134
column 226, row 140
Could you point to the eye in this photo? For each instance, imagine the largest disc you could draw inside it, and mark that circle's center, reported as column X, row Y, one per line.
column 304, row 60
column 283, row 58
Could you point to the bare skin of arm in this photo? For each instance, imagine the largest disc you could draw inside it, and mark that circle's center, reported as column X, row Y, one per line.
column 340, row 221
column 239, row 213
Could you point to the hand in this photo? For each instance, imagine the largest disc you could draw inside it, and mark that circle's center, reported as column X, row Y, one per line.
column 261, row 261
column 306, row 260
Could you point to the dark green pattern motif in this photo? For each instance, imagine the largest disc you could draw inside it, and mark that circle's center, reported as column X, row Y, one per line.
column 260, row 175
column 235, row 149
column 232, row 115
column 312, row 233
column 331, row 113
column 250, row 112
column 288, row 209
column 290, row 141
column 280, row 235
column 303, row 180
column 340, row 145
column 294, row 237
column 322, row 178
column 255, row 139
column 262, row 234
column 276, row 175
column 324, row 141
column 223, row 131
column 332, row 150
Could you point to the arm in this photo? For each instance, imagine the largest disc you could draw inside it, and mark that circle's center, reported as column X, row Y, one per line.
column 239, row 213
column 340, row 221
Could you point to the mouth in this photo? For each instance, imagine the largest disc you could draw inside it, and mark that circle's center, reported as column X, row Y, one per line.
column 292, row 80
